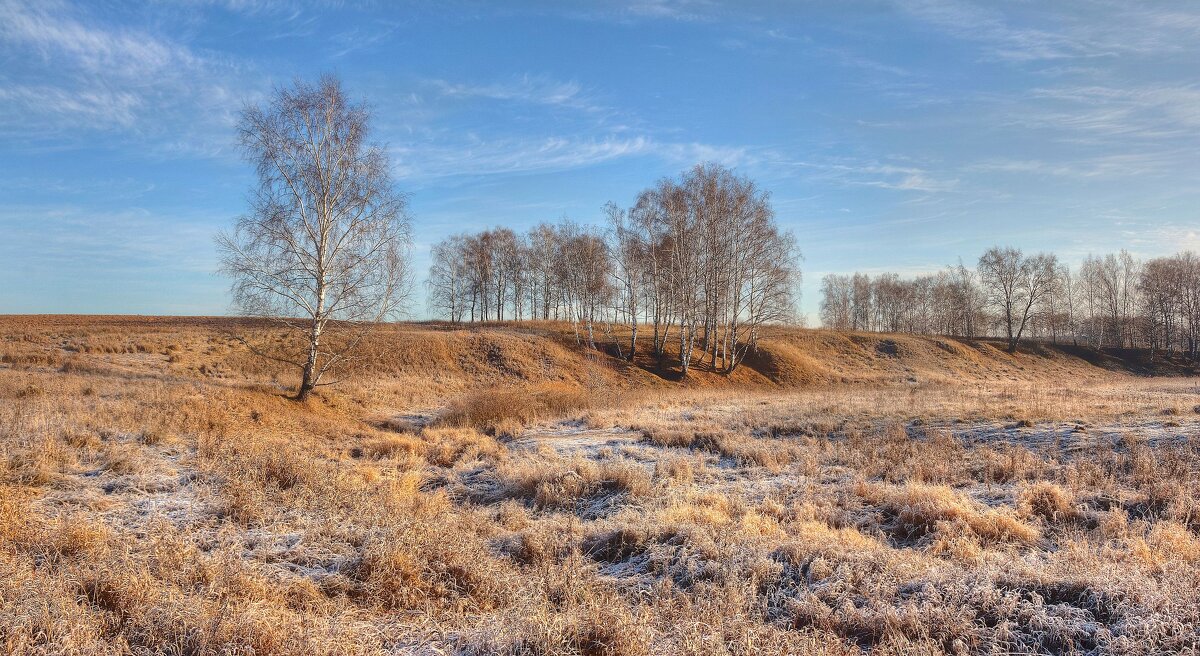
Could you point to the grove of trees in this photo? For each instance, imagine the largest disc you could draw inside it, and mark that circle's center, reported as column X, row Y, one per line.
column 1107, row 301
column 696, row 262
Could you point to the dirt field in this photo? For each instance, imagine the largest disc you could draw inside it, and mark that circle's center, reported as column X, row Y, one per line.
column 503, row 491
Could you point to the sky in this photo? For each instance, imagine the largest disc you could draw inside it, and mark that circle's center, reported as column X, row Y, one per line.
column 893, row 136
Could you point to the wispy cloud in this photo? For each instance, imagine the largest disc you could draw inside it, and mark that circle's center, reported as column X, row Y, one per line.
column 79, row 76
column 119, row 53
column 1114, row 165
column 909, row 179
column 893, row 176
column 99, row 188
column 761, row 19
column 1153, row 112
column 106, row 242
column 537, row 135
column 363, row 38
column 851, row 59
column 43, row 108
column 534, row 89
column 1060, row 30
column 510, row 156
column 993, row 29
column 516, row 156
column 675, row 10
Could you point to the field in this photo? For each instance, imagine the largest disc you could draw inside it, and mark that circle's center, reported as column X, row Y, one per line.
column 503, row 491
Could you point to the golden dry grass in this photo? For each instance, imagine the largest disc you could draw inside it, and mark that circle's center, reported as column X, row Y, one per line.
column 160, row 494
column 509, row 408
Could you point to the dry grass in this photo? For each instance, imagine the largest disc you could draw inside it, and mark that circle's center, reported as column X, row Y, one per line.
column 1049, row 501
column 556, row 483
column 914, row 511
column 159, row 494
column 509, row 409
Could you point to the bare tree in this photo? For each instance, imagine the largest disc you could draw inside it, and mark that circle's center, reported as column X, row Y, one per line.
column 837, row 302
column 966, row 302
column 714, row 264
column 1089, row 285
column 860, row 302
column 323, row 250
column 1160, row 291
column 648, row 216
column 1014, row 285
column 448, row 280
column 1189, row 306
column 1069, row 296
column 544, row 245
column 1128, row 268
column 1112, row 291
column 942, row 303
column 631, row 251
column 587, row 277
column 505, row 256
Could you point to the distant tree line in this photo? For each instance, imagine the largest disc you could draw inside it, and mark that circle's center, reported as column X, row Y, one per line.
column 697, row 262
column 1109, row 301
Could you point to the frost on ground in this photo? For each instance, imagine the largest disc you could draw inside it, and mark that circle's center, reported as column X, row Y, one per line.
column 145, row 510
column 692, row 529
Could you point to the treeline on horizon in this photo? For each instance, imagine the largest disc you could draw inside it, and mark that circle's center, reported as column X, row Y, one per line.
column 697, row 262
column 700, row 263
column 1113, row 300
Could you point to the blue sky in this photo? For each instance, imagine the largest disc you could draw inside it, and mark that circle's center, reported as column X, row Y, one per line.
column 893, row 135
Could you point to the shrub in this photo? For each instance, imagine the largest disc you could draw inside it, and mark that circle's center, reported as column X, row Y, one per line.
column 22, row 360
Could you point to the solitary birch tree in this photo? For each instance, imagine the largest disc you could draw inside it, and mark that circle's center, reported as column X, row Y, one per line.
column 323, row 250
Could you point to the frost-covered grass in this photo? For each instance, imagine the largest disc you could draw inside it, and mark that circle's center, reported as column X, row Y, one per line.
column 149, row 506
